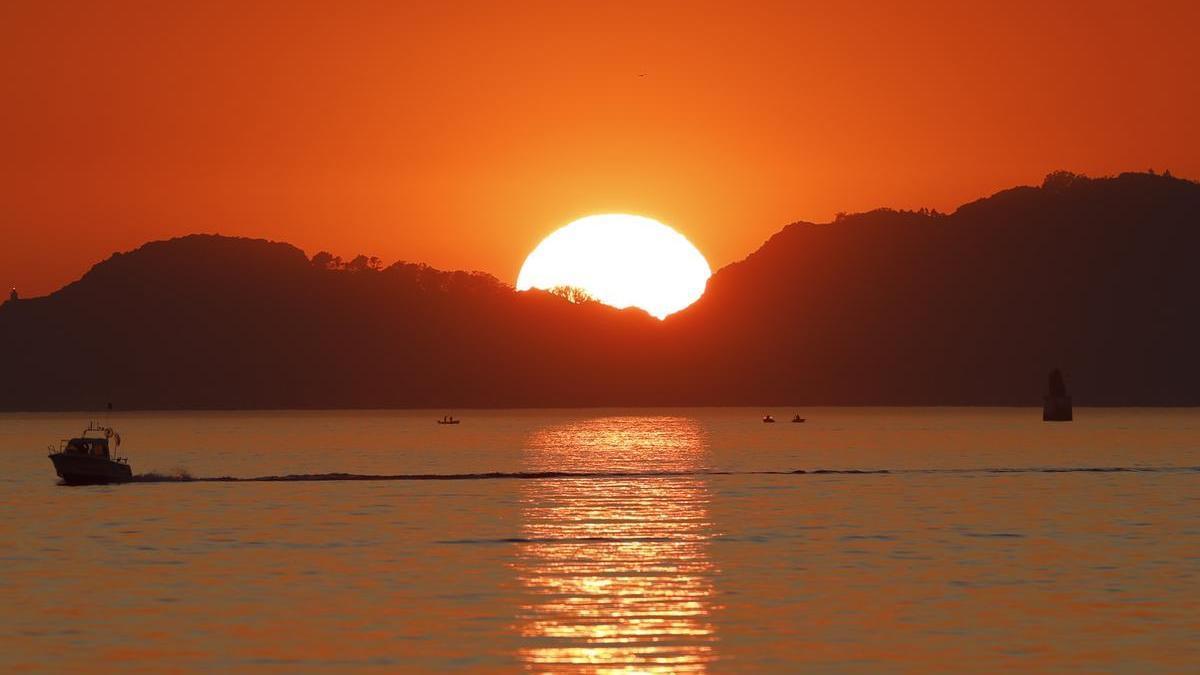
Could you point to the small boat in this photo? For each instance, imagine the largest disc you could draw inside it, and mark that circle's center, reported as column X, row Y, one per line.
column 798, row 420
column 86, row 460
column 448, row 420
column 1056, row 406
column 767, row 419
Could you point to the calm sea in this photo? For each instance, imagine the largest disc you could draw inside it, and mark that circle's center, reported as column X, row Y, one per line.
column 986, row 545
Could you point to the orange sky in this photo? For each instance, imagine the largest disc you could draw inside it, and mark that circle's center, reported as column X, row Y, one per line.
column 460, row 134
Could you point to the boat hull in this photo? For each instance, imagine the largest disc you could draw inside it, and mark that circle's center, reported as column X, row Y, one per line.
column 88, row 470
column 1057, row 409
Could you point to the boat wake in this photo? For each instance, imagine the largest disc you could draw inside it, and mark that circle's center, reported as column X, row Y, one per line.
column 492, row 475
column 176, row 476
column 182, row 476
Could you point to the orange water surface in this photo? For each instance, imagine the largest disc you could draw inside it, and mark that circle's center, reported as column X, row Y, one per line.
column 987, row 541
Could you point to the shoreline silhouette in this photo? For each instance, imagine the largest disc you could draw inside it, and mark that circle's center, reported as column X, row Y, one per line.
column 1090, row 275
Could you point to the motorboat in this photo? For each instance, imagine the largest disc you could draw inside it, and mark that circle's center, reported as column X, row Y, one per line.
column 448, row 420
column 767, row 419
column 86, row 460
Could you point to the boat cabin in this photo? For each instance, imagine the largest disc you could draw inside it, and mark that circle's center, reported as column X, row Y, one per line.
column 93, row 442
column 96, row 447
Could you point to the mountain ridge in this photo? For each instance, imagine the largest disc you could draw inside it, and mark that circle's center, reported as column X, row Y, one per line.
column 883, row 307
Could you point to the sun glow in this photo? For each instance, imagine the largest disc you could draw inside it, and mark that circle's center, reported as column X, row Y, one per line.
column 620, row 260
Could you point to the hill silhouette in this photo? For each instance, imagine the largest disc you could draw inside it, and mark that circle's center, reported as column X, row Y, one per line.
column 1093, row 276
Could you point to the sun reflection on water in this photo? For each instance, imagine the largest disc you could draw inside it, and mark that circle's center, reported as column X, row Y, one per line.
column 617, row 569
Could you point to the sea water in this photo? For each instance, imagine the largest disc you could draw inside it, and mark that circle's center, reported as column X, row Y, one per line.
column 913, row 539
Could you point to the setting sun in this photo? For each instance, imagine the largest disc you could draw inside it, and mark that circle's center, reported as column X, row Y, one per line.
column 621, row 260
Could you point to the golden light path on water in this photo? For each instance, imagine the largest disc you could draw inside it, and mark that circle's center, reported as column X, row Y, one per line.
column 617, row 569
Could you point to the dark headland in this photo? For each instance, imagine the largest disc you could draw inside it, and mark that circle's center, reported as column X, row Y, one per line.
column 1098, row 277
